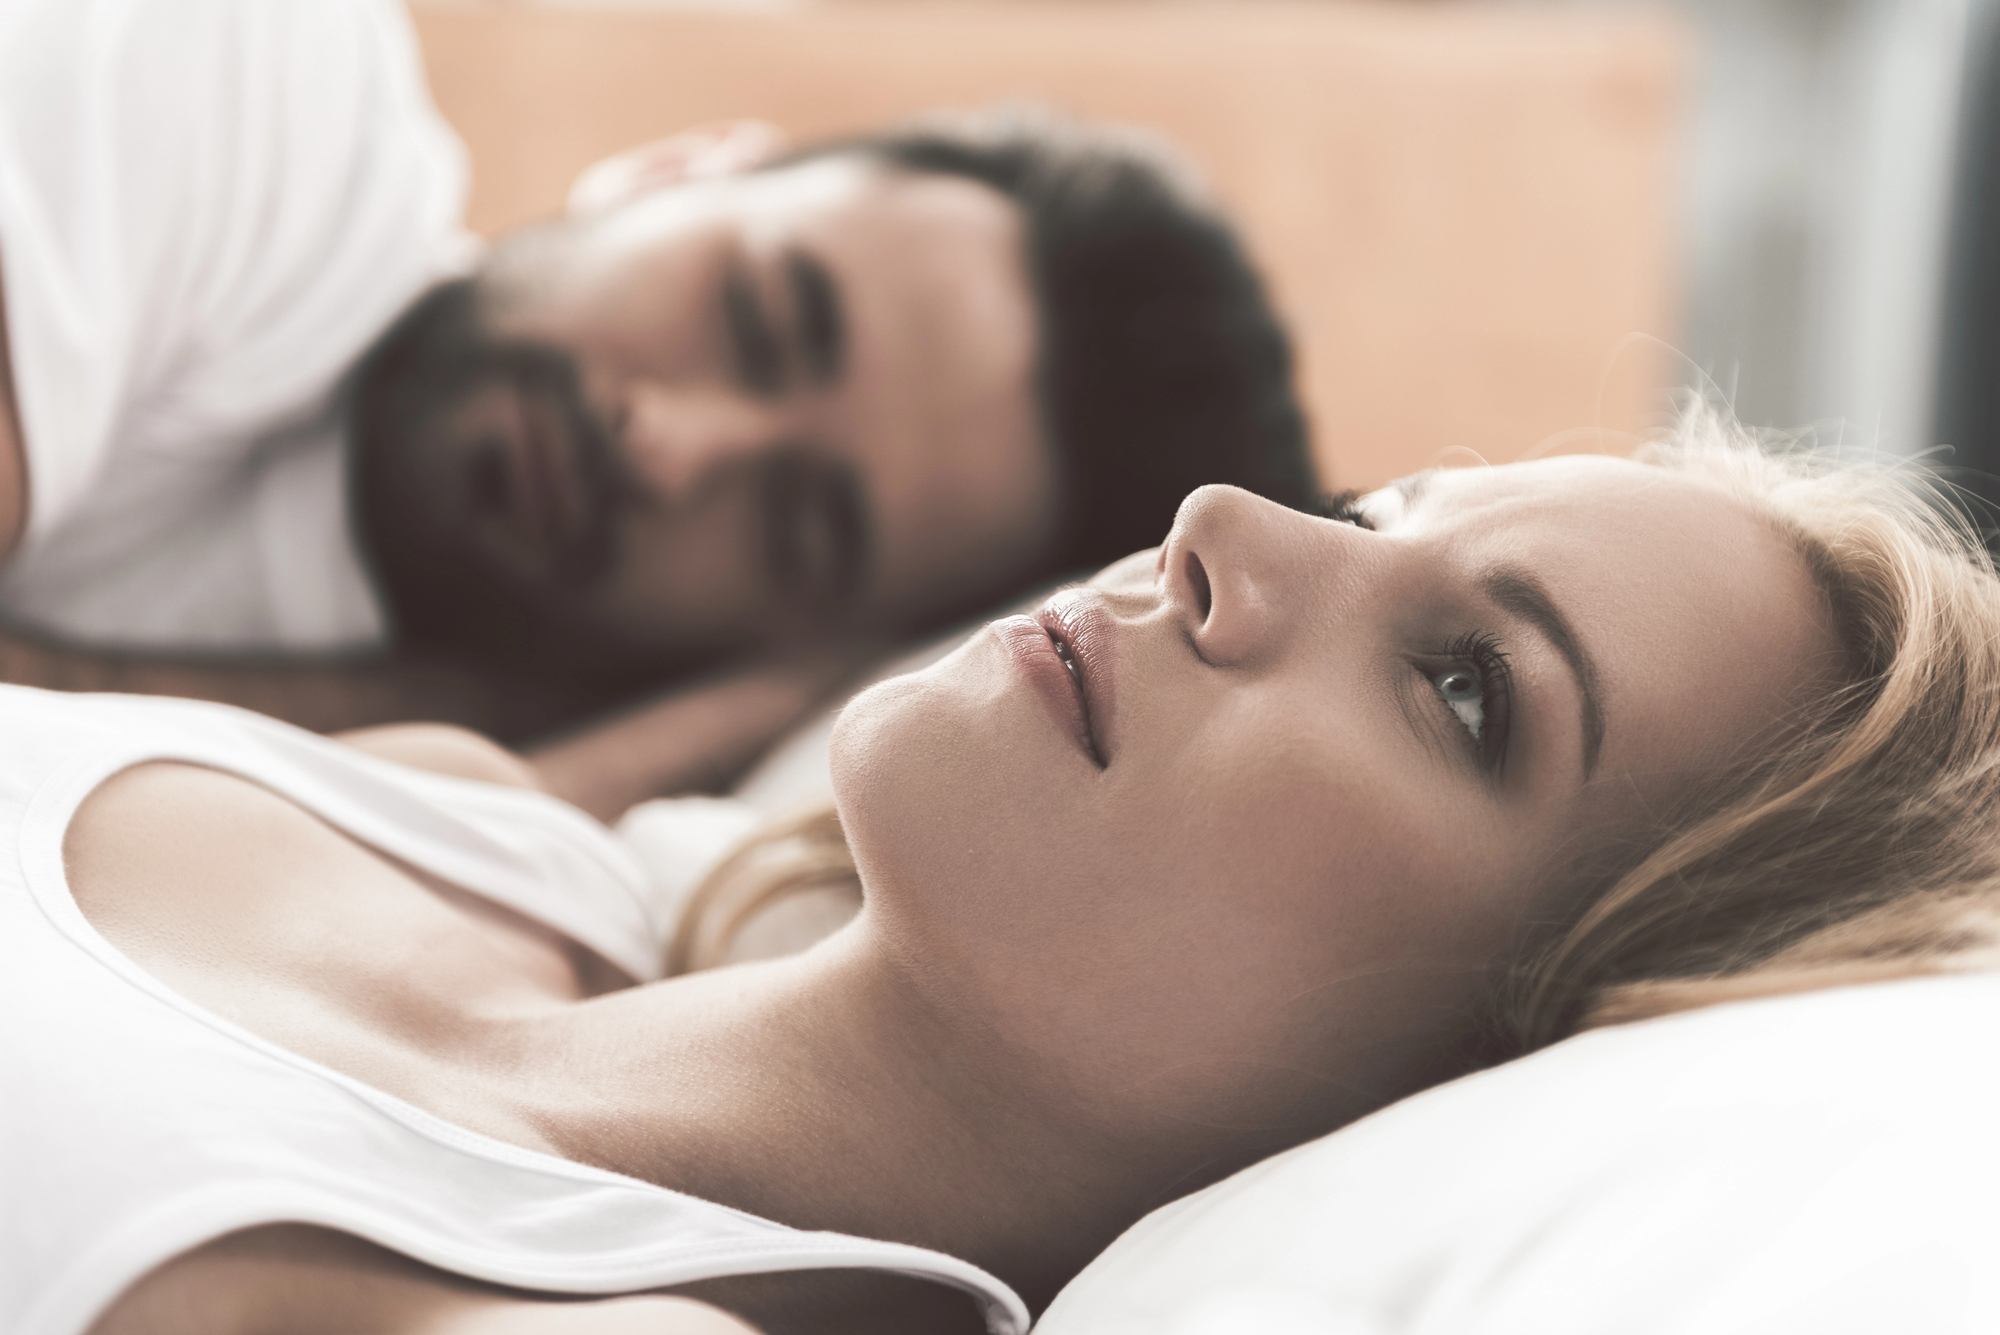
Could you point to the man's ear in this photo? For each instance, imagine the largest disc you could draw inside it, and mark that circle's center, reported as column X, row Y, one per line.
column 719, row 148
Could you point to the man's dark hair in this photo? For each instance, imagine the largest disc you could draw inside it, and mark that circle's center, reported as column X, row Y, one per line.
column 1162, row 365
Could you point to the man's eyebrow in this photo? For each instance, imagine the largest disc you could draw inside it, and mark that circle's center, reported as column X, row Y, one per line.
column 1520, row 594
column 753, row 346
column 821, row 318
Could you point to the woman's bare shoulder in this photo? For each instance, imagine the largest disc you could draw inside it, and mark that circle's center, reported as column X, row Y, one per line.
column 292, row 1279
column 444, row 748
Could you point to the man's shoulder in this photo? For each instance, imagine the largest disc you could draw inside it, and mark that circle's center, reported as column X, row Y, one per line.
column 13, row 462
column 232, row 199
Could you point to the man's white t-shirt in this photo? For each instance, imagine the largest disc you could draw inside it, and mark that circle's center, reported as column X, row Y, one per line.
column 208, row 209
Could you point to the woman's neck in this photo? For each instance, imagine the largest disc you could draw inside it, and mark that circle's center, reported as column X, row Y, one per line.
column 825, row 1092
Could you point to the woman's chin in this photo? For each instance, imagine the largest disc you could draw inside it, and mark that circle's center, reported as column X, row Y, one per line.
column 896, row 733
column 928, row 774
column 869, row 728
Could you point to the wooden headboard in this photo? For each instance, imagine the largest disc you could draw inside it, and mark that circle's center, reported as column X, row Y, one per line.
column 1466, row 211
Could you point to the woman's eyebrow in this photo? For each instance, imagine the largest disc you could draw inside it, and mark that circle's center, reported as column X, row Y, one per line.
column 1522, row 595
column 1413, row 487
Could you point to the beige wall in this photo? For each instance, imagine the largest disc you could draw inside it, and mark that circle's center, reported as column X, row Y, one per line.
column 1466, row 211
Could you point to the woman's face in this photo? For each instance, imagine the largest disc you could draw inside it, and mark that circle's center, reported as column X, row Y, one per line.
column 1319, row 777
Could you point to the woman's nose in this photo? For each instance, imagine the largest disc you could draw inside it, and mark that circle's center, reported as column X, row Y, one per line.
column 676, row 439
column 1228, row 568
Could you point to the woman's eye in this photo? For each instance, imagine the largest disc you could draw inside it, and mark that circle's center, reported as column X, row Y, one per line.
column 1462, row 689
column 1344, row 508
column 1477, row 686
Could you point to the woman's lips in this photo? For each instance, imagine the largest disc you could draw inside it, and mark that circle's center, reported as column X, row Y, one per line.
column 1056, row 672
column 1065, row 647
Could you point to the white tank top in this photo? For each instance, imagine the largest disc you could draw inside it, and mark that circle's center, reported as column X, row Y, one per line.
column 135, row 1125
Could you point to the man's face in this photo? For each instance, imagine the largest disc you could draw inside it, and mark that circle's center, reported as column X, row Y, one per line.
column 744, row 409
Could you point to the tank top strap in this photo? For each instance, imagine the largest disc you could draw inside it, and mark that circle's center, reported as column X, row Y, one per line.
column 135, row 1125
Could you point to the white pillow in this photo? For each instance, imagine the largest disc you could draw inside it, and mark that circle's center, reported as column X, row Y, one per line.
column 680, row 840
column 1809, row 1165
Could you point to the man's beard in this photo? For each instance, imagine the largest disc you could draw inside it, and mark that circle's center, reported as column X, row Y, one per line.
column 443, row 597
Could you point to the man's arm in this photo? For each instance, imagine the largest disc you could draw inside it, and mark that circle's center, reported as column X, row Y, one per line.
column 686, row 740
column 324, row 694
column 13, row 460
column 693, row 739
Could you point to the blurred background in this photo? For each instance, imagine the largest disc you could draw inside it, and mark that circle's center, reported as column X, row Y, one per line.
column 1502, row 226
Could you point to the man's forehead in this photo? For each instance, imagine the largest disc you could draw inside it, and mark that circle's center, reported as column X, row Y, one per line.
column 833, row 180
column 857, row 185
column 769, row 195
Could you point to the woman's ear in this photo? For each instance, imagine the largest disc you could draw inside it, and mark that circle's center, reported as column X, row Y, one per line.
column 719, row 148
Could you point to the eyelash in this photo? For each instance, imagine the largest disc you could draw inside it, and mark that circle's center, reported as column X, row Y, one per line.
column 1481, row 650
column 1496, row 691
column 1344, row 508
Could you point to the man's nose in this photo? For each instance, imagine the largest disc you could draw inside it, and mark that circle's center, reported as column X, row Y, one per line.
column 1232, row 567
column 675, row 439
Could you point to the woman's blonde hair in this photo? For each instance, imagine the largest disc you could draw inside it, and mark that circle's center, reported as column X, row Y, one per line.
column 1867, row 847
column 797, row 855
